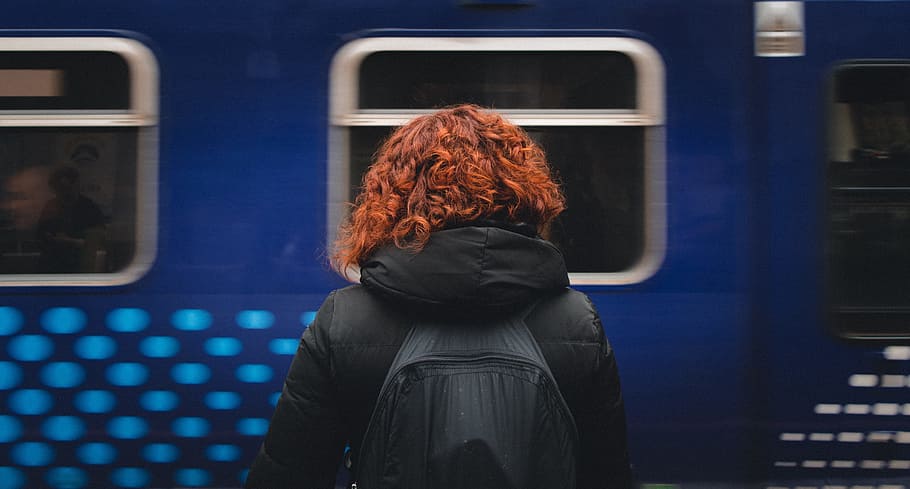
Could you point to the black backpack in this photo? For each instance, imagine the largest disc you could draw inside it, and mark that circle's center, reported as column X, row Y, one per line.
column 469, row 406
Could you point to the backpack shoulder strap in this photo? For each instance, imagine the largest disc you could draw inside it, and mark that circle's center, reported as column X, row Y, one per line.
column 507, row 334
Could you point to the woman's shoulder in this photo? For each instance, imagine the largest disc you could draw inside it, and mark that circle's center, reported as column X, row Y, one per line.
column 566, row 316
column 356, row 301
column 361, row 317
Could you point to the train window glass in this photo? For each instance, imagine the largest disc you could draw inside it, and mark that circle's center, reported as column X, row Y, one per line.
column 77, row 181
column 603, row 165
column 869, row 200
column 74, row 80
column 594, row 104
column 529, row 80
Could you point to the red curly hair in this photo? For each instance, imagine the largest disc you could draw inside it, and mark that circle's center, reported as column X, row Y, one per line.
column 457, row 165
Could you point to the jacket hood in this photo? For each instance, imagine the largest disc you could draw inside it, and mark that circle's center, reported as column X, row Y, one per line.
column 480, row 266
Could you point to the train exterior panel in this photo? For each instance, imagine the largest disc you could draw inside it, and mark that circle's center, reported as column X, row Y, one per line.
column 221, row 138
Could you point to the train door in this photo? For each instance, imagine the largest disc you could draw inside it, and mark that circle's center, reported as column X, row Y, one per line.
column 832, row 145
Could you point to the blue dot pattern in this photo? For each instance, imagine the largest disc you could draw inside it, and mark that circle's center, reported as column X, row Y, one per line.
column 10, row 375
column 96, row 453
column 95, row 347
column 95, row 401
column 127, row 427
column 253, row 426
column 255, row 319
column 160, row 453
column 283, row 346
column 222, row 400
column 30, row 402
column 222, row 453
column 254, row 373
column 63, row 428
column 192, row 477
column 190, row 427
column 66, row 478
column 159, row 346
column 129, row 396
column 62, row 374
column 63, row 320
column 30, row 348
column 32, row 454
column 10, row 429
column 11, row 478
column 127, row 374
column 223, row 347
column 10, row 321
column 159, row 400
column 191, row 319
column 191, row 373
column 130, row 477
column 128, row 320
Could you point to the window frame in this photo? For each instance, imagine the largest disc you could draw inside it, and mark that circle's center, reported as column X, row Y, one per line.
column 649, row 113
column 142, row 114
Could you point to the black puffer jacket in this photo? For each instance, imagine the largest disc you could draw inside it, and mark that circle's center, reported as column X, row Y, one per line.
column 344, row 355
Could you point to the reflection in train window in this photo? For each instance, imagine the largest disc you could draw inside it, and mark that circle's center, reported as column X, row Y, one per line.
column 77, row 119
column 69, row 200
column 594, row 105
column 869, row 200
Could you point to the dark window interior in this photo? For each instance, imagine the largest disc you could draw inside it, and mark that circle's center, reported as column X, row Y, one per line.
column 90, row 80
column 502, row 80
column 869, row 201
column 67, row 200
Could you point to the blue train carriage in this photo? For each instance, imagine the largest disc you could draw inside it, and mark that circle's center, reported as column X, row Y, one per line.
column 830, row 321
column 172, row 172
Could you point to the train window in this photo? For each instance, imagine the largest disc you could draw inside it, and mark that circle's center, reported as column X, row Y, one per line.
column 530, row 80
column 77, row 182
column 594, row 104
column 869, row 199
